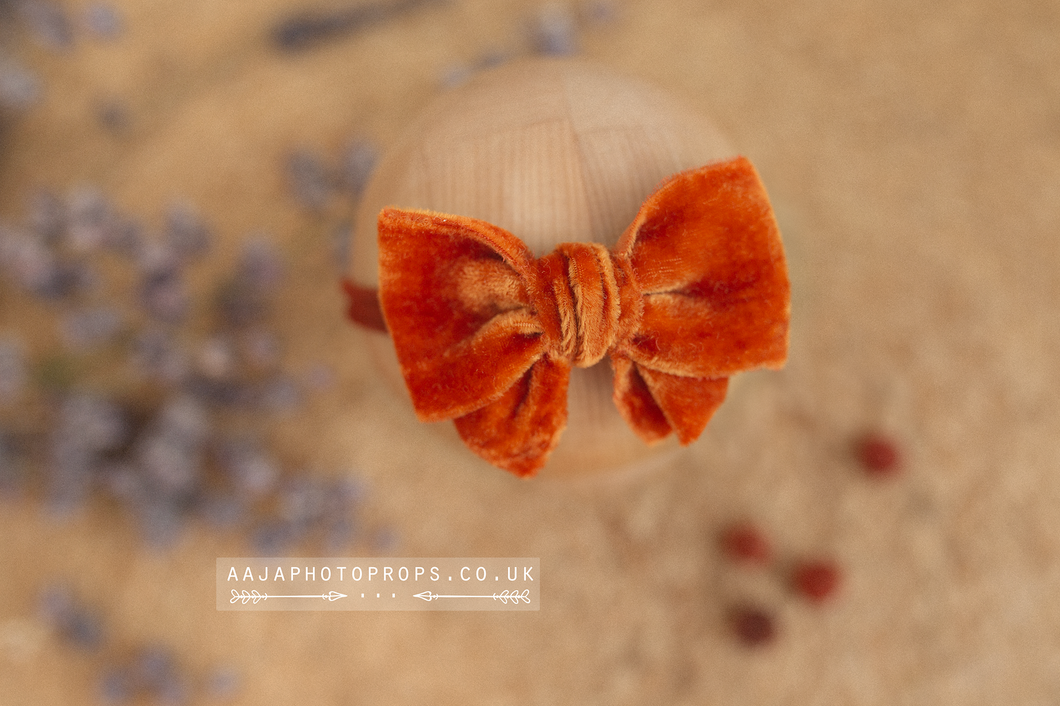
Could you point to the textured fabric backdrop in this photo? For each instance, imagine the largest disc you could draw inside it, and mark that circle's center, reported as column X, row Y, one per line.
column 912, row 151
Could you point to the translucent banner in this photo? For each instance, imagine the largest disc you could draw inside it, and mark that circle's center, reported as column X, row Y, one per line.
column 378, row 584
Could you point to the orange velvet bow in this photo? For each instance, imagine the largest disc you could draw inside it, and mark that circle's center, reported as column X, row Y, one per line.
column 695, row 290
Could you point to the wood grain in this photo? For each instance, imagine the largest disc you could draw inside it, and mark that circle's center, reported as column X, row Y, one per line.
column 553, row 151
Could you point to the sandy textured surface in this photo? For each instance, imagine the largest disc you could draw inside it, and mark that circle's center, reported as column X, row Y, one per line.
column 913, row 155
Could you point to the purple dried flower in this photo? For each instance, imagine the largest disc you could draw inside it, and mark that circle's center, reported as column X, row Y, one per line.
column 310, row 181
column 173, row 466
column 272, row 537
column 38, row 270
column 222, row 511
column 92, row 422
column 281, row 394
column 113, row 115
column 70, row 278
column 261, row 349
column 358, row 162
column 455, row 75
column 175, row 691
column 117, row 686
column 223, row 683
column 185, row 231
column 89, row 221
column 30, row 262
column 184, row 418
column 240, row 304
column 252, row 470
column 164, row 295
column 338, row 534
column 301, row 502
column 55, row 605
column 123, row 481
column 13, row 375
column 152, row 667
column 48, row 23
column 58, row 608
column 20, row 88
column 491, row 59
column 384, row 540
column 126, row 237
column 90, row 327
column 260, row 264
column 339, row 512
column 103, row 21
column 554, row 31
column 155, row 256
column 161, row 521
column 221, row 393
column 242, row 300
column 47, row 216
column 157, row 355
column 599, row 12
column 343, row 495
column 320, row 376
column 85, row 630
column 217, row 358
column 170, row 452
column 341, row 245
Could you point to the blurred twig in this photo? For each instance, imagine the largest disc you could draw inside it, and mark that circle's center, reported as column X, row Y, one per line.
column 307, row 29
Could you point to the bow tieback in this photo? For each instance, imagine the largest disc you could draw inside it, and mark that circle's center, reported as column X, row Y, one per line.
column 695, row 291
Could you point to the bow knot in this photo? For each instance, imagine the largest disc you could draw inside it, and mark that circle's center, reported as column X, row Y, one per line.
column 592, row 301
column 695, row 291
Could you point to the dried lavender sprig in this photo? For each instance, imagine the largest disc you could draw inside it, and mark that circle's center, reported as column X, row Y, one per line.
column 554, row 31
column 13, row 370
column 48, row 22
column 92, row 422
column 104, row 21
column 163, row 291
column 186, row 232
column 357, row 163
column 60, row 610
column 20, row 88
column 89, row 219
column 310, row 180
column 158, row 355
column 47, row 216
column 248, row 465
column 90, row 327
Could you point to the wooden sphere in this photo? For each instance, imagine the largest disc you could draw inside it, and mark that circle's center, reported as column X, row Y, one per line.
column 553, row 151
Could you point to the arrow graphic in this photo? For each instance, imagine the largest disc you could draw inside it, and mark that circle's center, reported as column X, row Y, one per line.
column 503, row 596
column 253, row 596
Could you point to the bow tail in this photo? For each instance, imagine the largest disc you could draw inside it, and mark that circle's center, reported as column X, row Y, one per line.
column 655, row 403
column 518, row 430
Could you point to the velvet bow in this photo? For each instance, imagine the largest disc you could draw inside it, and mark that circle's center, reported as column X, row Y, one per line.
column 695, row 290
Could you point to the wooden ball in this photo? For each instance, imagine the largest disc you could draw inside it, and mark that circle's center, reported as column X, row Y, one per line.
column 553, row 151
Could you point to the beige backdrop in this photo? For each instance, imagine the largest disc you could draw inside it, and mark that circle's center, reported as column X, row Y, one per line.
column 913, row 153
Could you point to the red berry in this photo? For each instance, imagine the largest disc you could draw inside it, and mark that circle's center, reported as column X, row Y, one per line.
column 752, row 625
column 879, row 454
column 817, row 580
column 746, row 543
